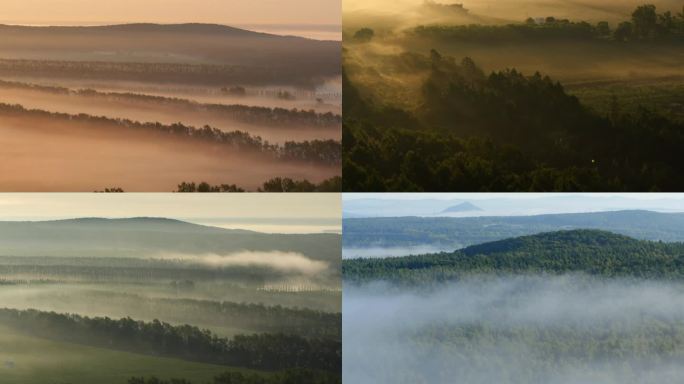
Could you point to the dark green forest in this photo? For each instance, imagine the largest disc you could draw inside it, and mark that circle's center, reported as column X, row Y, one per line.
column 511, row 131
column 290, row 376
column 260, row 351
column 593, row 252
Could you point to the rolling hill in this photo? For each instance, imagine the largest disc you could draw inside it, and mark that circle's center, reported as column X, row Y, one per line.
column 190, row 44
column 122, row 239
column 592, row 252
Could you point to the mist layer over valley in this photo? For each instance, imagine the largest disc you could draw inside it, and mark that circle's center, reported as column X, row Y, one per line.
column 107, row 285
column 534, row 329
column 282, row 91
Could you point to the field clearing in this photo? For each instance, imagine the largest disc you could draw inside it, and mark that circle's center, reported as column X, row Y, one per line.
column 665, row 96
column 30, row 360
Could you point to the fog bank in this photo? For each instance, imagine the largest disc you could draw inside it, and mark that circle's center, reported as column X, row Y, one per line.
column 558, row 330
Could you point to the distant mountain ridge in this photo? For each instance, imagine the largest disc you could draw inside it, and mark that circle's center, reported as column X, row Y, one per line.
column 463, row 207
column 143, row 221
column 593, row 252
column 207, row 54
column 451, row 232
column 144, row 236
column 200, row 28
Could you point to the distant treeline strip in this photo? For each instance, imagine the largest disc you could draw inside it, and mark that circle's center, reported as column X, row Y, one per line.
column 277, row 184
column 276, row 117
column 178, row 73
column 645, row 25
column 304, row 322
column 327, row 152
column 290, row 376
column 262, row 351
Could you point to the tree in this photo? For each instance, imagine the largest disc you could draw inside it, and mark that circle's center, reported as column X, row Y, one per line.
column 645, row 21
column 624, row 31
column 603, row 28
column 364, row 35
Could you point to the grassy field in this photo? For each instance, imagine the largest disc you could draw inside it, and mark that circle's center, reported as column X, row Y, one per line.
column 665, row 96
column 31, row 360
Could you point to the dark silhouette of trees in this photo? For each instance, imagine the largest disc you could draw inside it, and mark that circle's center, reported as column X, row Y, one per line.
column 254, row 115
column 278, row 184
column 290, row 376
column 645, row 21
column 325, row 152
column 364, row 35
column 270, row 352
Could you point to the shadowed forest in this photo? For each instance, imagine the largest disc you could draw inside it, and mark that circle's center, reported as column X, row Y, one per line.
column 145, row 107
column 150, row 300
column 485, row 96
column 520, row 299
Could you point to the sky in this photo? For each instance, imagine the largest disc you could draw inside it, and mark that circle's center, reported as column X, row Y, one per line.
column 273, row 213
column 495, row 204
column 489, row 196
column 309, row 18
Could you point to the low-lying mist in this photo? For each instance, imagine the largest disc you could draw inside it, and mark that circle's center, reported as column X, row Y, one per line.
column 381, row 252
column 44, row 155
column 560, row 330
column 289, row 262
column 411, row 12
column 331, row 89
column 165, row 114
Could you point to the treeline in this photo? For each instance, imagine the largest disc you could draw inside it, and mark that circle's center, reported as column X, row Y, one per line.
column 290, row 376
column 270, row 352
column 645, row 25
column 277, row 184
column 252, row 317
column 503, row 132
column 587, row 251
column 326, row 152
column 177, row 73
column 276, row 117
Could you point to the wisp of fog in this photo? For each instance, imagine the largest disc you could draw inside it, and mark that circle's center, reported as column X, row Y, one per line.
column 381, row 252
column 290, row 262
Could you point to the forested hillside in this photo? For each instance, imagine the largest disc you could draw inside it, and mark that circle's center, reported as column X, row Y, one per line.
column 546, row 104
